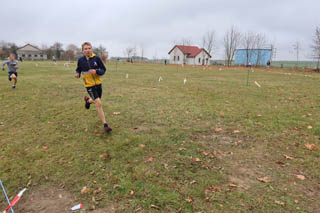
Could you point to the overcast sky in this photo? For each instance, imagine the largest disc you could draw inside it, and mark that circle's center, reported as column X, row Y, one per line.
column 157, row 24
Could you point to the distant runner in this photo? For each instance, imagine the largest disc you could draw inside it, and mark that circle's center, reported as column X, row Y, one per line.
column 12, row 64
column 91, row 67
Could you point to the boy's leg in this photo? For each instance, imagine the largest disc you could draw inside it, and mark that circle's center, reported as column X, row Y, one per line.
column 15, row 80
column 98, row 104
column 95, row 94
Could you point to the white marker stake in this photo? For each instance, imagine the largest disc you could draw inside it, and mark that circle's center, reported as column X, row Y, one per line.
column 160, row 79
column 185, row 81
column 257, row 84
column 127, row 75
column 77, row 207
column 220, row 69
column 16, row 199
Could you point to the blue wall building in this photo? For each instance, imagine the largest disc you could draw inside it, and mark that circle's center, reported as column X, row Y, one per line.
column 256, row 56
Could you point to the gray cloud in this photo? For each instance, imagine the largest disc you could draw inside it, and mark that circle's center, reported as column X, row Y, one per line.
column 157, row 24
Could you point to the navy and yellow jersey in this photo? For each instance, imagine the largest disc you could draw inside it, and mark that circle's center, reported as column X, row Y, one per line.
column 84, row 65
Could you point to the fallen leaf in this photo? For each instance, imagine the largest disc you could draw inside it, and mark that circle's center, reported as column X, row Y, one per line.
column 301, row 177
column 97, row 191
column 288, row 157
column 264, row 179
column 155, row 207
column 218, row 129
column 197, row 160
column 193, row 182
column 189, row 200
column 309, row 127
column 149, row 160
column 45, row 148
column 84, row 190
column 236, row 131
column 1, row 124
column 232, row 185
column 311, row 147
column 97, row 135
column 205, row 153
column 279, row 202
column 259, row 115
column 116, row 113
column 296, row 201
column 294, row 128
column 141, row 145
column 131, row 192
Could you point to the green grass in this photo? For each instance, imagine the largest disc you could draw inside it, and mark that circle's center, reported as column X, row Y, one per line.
column 166, row 146
column 293, row 64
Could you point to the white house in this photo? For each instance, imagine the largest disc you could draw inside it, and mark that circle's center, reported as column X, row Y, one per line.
column 190, row 55
column 31, row 52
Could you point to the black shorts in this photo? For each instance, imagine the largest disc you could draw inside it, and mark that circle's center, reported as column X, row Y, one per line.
column 95, row 91
column 10, row 73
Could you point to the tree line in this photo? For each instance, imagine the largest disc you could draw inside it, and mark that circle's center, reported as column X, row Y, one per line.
column 57, row 50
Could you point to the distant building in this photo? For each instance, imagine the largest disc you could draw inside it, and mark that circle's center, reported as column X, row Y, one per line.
column 190, row 55
column 139, row 59
column 30, row 52
column 258, row 57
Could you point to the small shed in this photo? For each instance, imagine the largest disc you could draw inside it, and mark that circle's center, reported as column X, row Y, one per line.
column 259, row 57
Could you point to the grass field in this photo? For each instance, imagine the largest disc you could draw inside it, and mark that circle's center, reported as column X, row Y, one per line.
column 210, row 145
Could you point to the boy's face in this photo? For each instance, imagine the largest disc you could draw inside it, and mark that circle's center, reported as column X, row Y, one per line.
column 87, row 50
column 12, row 57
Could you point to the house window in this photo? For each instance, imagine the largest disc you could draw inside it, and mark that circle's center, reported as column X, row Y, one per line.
column 199, row 60
column 178, row 58
column 35, row 55
column 41, row 56
column 23, row 55
column 29, row 55
column 174, row 58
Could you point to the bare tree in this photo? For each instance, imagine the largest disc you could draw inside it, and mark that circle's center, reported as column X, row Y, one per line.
column 128, row 52
column 249, row 42
column 142, row 52
column 260, row 43
column 72, row 51
column 297, row 49
column 57, row 48
column 316, row 47
column 208, row 41
column 231, row 42
column 185, row 42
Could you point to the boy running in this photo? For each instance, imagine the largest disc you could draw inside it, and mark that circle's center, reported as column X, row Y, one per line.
column 92, row 67
column 12, row 64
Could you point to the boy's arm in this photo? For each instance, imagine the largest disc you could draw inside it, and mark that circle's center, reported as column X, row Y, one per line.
column 78, row 70
column 17, row 65
column 102, row 69
column 3, row 64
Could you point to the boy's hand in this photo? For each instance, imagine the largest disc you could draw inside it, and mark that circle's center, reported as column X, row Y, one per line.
column 77, row 75
column 92, row 71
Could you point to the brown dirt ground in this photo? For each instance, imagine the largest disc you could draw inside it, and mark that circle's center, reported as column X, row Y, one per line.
column 51, row 199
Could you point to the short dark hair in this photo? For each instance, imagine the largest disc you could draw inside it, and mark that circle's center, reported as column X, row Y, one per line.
column 86, row 44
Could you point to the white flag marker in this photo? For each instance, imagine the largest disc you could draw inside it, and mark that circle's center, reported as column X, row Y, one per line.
column 257, row 84
column 77, row 207
column 16, row 199
column 185, row 81
column 127, row 75
column 160, row 79
column 220, row 69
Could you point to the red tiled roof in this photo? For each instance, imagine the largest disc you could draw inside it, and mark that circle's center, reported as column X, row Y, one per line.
column 190, row 51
